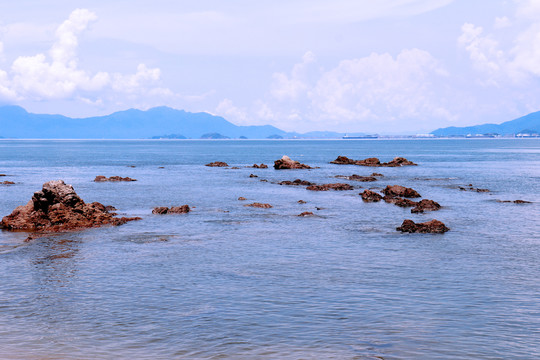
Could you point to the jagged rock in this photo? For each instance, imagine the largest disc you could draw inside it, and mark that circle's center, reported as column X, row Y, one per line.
column 399, row 161
column 374, row 162
column 369, row 162
column 400, row 191
column 7, row 183
column 101, row 178
column 261, row 166
column 297, row 182
column 370, row 196
column 306, row 213
column 241, row 198
column 343, row 160
column 356, row 177
column 433, row 226
column 58, row 208
column 217, row 164
column 425, row 205
column 162, row 210
column 326, row 187
column 259, row 205
column 286, row 163
column 252, row 176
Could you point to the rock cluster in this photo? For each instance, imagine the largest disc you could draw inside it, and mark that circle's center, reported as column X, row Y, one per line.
column 326, row 187
column 217, row 164
column 259, row 205
column 433, row 226
column 101, row 178
column 374, row 162
column 261, row 166
column 401, row 191
column 58, row 208
column 296, row 182
column 162, row 210
column 287, row 163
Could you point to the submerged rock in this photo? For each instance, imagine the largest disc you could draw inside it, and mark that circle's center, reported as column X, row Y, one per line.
column 217, row 164
column 287, row 163
column 296, row 182
column 58, row 208
column 259, row 205
column 401, row 191
column 433, row 226
column 356, row 177
column 370, row 196
column 162, row 210
column 471, row 188
column 101, row 178
column 515, row 201
column 326, row 187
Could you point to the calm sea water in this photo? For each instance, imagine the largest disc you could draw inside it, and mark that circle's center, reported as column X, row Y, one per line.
column 227, row 281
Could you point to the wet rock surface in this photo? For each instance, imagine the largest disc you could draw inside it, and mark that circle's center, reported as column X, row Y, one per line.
column 287, row 163
column 101, row 178
column 356, row 177
column 163, row 210
column 433, row 226
column 370, row 196
column 306, row 213
column 373, row 161
column 217, row 164
column 400, row 191
column 261, row 166
column 296, row 182
column 425, row 205
column 56, row 207
column 334, row 186
column 259, row 205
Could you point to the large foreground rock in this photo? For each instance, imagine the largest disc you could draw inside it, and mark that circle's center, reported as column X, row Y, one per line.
column 433, row 226
column 287, row 163
column 58, row 208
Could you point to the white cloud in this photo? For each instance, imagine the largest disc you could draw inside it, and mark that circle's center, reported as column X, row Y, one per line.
column 58, row 75
column 502, row 22
column 286, row 87
column 228, row 110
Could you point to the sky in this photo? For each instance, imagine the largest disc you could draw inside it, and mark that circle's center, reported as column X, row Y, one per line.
column 385, row 66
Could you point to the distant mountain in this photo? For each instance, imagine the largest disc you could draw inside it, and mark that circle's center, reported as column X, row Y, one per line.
column 16, row 122
column 525, row 124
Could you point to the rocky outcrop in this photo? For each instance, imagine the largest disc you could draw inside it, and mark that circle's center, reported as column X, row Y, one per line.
column 261, row 166
column 370, row 196
column 433, row 226
column 217, row 164
column 101, row 178
column 259, row 205
column 296, row 182
column 326, row 187
column 241, row 198
column 400, row 191
column 425, row 205
column 58, row 208
column 356, row 177
column 374, row 162
column 287, row 163
column 162, row 210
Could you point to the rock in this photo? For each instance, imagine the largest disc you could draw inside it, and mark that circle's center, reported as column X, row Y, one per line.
column 471, row 188
column 425, row 205
column 515, row 201
column 101, row 178
column 110, row 208
column 326, row 187
column 7, row 183
column 3, row 175
column 259, row 205
column 252, row 176
column 241, row 198
column 358, row 178
column 433, row 226
column 161, row 167
column 401, row 191
column 374, row 162
column 370, row 196
column 404, row 202
column 217, row 164
column 301, row 201
column 286, row 163
column 162, row 210
column 261, row 166
column 235, row 168
column 297, row 182
column 306, row 213
column 58, row 208
column 377, row 174
column 263, row 180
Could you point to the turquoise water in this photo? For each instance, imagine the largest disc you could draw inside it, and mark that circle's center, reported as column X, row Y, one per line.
column 228, row 281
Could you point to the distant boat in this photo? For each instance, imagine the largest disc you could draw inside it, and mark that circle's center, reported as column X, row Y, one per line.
column 347, row 137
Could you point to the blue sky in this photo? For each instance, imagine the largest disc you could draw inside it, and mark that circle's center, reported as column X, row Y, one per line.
column 386, row 66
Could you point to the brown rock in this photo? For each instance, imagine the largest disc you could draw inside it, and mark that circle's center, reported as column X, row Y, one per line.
column 369, row 162
column 326, row 187
column 217, row 164
column 261, row 166
column 405, row 202
column 101, row 178
column 297, row 182
column 402, row 191
column 306, row 213
column 241, row 198
column 399, row 161
column 252, row 176
column 58, row 208
column 259, row 205
column 162, row 210
column 522, row 202
column 361, row 178
column 3, row 175
column 433, row 226
column 7, row 183
column 370, row 196
column 301, row 202
column 425, row 205
column 377, row 174
column 343, row 160
column 286, row 163
column 374, row 162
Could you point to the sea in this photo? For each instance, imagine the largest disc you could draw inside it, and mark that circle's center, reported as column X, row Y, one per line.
column 227, row 281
